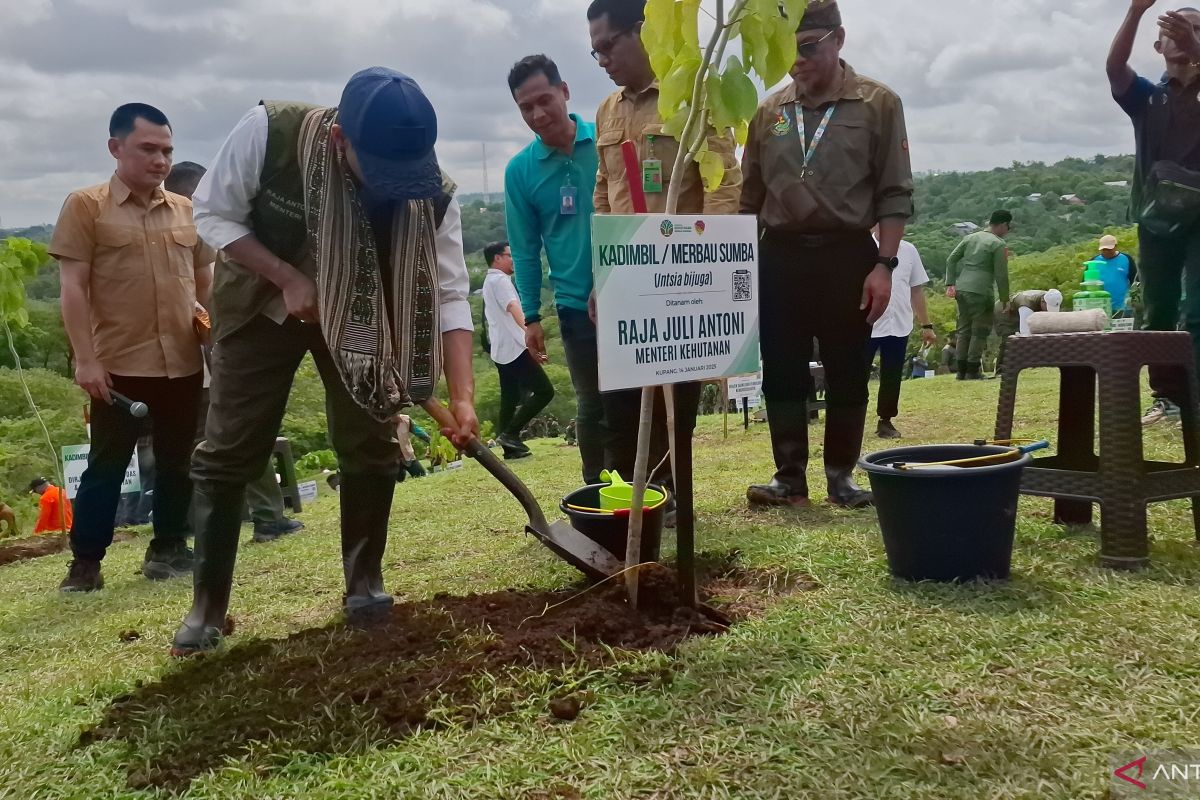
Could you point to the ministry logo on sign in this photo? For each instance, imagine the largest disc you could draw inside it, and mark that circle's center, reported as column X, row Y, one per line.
column 667, row 228
column 699, row 227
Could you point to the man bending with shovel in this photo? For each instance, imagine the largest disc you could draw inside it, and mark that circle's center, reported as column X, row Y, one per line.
column 340, row 238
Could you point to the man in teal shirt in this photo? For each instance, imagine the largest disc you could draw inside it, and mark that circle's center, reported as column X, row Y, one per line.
column 979, row 262
column 548, row 189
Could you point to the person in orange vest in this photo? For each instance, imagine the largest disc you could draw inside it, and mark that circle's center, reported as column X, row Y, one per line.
column 54, row 509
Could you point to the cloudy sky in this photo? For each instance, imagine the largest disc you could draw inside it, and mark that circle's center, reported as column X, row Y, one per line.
column 984, row 83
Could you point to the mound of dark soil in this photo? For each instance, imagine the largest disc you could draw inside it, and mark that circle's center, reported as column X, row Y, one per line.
column 445, row 660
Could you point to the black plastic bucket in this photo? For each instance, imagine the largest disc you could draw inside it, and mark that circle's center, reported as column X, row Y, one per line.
column 946, row 523
column 611, row 531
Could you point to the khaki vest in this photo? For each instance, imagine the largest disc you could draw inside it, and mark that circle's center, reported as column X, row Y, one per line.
column 277, row 218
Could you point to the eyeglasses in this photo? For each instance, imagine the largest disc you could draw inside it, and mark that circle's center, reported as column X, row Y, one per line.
column 809, row 49
column 608, row 48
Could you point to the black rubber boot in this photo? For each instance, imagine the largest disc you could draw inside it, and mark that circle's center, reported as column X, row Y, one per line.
column 962, row 371
column 974, row 371
column 789, row 445
column 366, row 502
column 843, row 445
column 218, row 518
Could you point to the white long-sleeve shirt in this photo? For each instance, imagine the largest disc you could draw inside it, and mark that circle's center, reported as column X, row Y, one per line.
column 225, row 198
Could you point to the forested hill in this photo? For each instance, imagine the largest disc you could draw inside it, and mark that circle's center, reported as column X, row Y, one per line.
column 1052, row 205
column 1033, row 192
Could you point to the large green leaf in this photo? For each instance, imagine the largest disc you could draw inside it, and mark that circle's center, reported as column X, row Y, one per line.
column 720, row 112
column 781, row 50
column 754, row 44
column 675, row 124
column 660, row 35
column 712, row 169
column 738, row 92
column 676, row 88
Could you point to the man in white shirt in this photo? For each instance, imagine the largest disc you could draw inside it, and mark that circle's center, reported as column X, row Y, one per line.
column 889, row 337
column 340, row 238
column 524, row 388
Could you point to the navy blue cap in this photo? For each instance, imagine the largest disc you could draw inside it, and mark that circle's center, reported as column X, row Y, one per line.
column 392, row 126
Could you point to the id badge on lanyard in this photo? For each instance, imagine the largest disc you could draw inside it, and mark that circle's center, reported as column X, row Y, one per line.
column 652, row 170
column 809, row 149
column 568, row 195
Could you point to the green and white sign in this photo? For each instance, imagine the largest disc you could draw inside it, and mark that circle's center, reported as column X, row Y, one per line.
column 74, row 461
column 676, row 298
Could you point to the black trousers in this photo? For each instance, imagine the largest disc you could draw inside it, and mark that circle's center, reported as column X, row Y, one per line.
column 621, row 413
column 579, row 341
column 891, row 351
column 812, row 288
column 1170, row 266
column 524, row 392
column 172, row 403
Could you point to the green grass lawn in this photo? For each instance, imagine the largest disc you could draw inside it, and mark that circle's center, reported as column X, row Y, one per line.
column 860, row 688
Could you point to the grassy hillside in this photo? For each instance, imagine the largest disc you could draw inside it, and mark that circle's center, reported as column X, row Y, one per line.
column 853, row 688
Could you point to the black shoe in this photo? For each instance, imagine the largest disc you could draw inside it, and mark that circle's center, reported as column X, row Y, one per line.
column 270, row 531
column 164, row 564
column 82, row 576
column 886, row 430
column 844, row 492
column 775, row 493
column 974, row 372
column 514, row 448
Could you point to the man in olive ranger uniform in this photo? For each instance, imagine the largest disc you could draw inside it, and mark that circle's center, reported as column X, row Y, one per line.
column 340, row 238
column 976, row 274
column 826, row 160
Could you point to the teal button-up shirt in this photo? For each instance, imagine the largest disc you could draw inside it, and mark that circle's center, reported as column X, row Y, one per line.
column 533, row 200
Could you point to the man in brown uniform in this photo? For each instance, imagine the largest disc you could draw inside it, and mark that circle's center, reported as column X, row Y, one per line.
column 132, row 270
column 827, row 159
column 631, row 113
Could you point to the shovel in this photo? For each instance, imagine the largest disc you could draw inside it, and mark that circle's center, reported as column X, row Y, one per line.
column 559, row 536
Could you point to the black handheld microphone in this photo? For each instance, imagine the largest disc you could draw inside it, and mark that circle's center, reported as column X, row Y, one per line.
column 134, row 408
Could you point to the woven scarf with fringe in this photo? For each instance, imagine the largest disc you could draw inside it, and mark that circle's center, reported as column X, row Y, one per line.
column 381, row 325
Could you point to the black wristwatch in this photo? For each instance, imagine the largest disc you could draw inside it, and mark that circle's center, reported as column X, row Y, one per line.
column 532, row 318
column 926, row 327
column 890, row 263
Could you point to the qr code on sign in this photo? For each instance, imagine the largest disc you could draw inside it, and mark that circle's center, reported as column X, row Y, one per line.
column 742, row 285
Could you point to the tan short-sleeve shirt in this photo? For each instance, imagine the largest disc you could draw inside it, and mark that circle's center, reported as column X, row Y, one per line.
column 143, row 276
column 633, row 116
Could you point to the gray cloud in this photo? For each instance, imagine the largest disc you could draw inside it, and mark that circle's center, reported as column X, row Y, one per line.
column 984, row 84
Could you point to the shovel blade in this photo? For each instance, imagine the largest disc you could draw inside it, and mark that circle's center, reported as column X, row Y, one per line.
column 577, row 550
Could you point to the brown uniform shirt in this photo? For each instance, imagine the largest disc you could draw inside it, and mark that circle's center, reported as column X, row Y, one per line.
column 859, row 173
column 625, row 115
column 143, row 276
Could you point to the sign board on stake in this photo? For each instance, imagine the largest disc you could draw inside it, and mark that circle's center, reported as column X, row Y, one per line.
column 74, row 462
column 676, row 298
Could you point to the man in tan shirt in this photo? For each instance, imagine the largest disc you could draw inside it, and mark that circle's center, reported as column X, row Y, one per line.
column 826, row 160
column 132, row 271
column 631, row 114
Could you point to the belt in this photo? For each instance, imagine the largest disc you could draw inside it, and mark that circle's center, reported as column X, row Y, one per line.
column 797, row 239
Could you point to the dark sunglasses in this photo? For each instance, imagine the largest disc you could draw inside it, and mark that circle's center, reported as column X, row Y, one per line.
column 596, row 54
column 809, row 49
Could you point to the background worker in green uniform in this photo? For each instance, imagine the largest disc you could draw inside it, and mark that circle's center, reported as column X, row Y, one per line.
column 979, row 262
column 340, row 237
column 826, row 160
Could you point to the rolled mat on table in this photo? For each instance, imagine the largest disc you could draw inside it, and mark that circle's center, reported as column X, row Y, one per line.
column 1093, row 319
